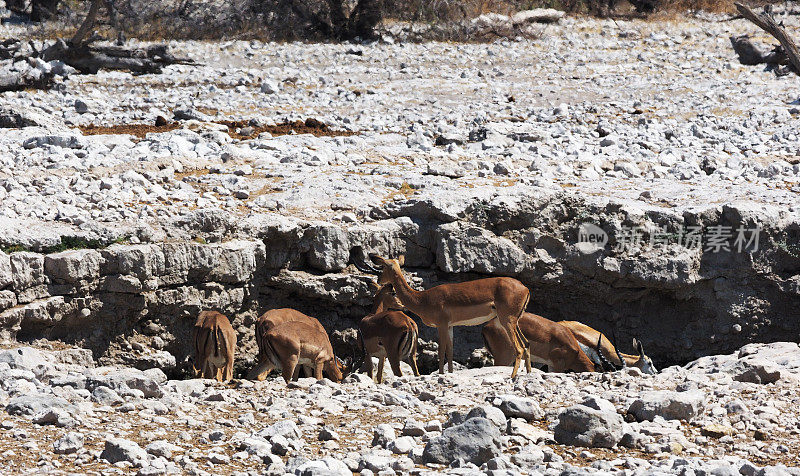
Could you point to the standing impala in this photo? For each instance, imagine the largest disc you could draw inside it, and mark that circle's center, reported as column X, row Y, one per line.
column 214, row 346
column 549, row 343
column 469, row 303
column 587, row 336
column 388, row 332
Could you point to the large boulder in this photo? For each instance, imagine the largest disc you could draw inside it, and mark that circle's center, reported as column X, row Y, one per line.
column 668, row 405
column 69, row 443
column 121, row 380
column 756, row 371
column 594, row 423
column 26, row 358
column 6, row 276
column 27, row 270
column 72, row 266
column 119, row 449
column 462, row 248
column 513, row 406
column 36, row 404
column 476, row 441
column 284, row 428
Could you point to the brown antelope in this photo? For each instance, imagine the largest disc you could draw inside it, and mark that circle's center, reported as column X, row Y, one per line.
column 287, row 339
column 549, row 343
column 273, row 317
column 469, row 303
column 388, row 332
column 214, row 346
column 586, row 336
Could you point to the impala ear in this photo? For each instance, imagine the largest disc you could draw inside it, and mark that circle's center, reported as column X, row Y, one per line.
column 401, row 260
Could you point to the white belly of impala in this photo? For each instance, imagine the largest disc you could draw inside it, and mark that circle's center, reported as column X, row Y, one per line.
column 476, row 321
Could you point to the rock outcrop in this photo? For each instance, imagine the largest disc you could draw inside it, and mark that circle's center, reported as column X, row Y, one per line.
column 135, row 303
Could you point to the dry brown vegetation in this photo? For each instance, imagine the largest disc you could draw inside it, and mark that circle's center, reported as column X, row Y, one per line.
column 334, row 19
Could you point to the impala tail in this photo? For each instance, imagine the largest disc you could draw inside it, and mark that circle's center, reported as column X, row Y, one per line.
column 406, row 344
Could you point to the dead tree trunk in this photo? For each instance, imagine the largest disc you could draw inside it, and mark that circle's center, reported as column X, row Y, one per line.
column 767, row 23
column 21, row 81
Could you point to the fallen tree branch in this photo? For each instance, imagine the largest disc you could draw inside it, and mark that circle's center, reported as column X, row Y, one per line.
column 765, row 21
column 91, row 59
column 15, row 81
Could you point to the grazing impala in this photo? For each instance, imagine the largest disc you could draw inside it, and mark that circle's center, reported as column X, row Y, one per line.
column 460, row 304
column 214, row 346
column 273, row 317
column 587, row 336
column 388, row 332
column 287, row 339
column 549, row 343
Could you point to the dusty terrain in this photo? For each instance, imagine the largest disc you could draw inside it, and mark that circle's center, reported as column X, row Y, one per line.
column 732, row 414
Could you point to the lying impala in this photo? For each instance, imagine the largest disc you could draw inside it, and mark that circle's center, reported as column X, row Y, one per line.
column 388, row 332
column 460, row 304
column 287, row 339
column 549, row 343
column 587, row 336
column 214, row 346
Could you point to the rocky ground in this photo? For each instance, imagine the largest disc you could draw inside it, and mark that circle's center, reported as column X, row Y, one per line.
column 721, row 415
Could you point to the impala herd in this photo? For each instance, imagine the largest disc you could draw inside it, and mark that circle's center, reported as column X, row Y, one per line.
column 288, row 340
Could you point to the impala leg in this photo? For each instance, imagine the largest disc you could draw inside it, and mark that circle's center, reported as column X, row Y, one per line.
column 228, row 371
column 412, row 359
column 443, row 336
column 219, row 373
column 450, row 349
column 318, row 369
column 368, row 367
column 289, row 365
column 511, row 333
column 197, row 365
column 526, row 348
column 208, row 371
column 296, row 373
column 261, row 371
column 381, row 361
column 394, row 362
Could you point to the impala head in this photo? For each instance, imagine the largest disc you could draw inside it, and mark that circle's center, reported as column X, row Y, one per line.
column 385, row 298
column 389, row 267
column 335, row 368
column 644, row 363
column 382, row 267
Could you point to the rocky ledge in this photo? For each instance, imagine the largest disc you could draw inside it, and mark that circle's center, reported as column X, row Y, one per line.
column 136, row 303
column 734, row 414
